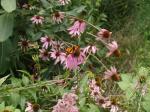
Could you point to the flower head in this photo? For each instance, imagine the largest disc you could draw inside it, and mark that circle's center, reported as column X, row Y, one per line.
column 66, row 104
column 58, row 45
column 103, row 33
column 58, row 56
column 58, row 17
column 37, row 19
column 47, row 41
column 105, row 102
column 29, row 107
column 44, row 54
column 77, row 28
column 73, row 61
column 64, row 2
column 71, row 98
column 112, row 74
column 94, row 90
column 24, row 44
column 113, row 49
column 90, row 48
column 114, row 108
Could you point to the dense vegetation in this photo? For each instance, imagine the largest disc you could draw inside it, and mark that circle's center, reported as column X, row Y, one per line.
column 74, row 56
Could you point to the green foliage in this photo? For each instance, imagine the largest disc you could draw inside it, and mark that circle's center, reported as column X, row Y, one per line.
column 9, row 5
column 2, row 80
column 6, row 26
column 145, row 103
column 4, row 108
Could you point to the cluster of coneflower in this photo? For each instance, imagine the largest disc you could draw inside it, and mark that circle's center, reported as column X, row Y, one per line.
column 73, row 56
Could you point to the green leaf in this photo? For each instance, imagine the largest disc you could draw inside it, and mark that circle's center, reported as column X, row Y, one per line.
column 2, row 106
column 17, row 110
column 25, row 80
column 145, row 103
column 22, row 102
column 126, row 82
column 15, row 81
column 143, row 71
column 82, row 101
column 93, row 108
column 15, row 99
column 2, row 80
column 45, row 3
column 6, row 26
column 9, row 5
column 83, row 83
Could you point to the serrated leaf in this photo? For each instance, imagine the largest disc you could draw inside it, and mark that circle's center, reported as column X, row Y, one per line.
column 9, row 5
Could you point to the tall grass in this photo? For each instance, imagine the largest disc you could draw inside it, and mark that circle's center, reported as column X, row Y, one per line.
column 130, row 22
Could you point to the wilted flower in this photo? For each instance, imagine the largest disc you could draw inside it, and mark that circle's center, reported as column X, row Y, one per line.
column 24, row 44
column 37, row 19
column 77, row 28
column 66, row 104
column 105, row 102
column 103, row 33
column 113, row 49
column 64, row 2
column 73, row 61
column 44, row 54
column 29, row 107
column 112, row 74
column 90, row 48
column 58, row 17
column 47, row 41
column 58, row 56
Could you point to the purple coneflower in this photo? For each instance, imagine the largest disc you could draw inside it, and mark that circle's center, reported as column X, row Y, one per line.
column 58, row 56
column 94, row 90
column 74, row 60
column 112, row 74
column 66, row 104
column 64, row 2
column 37, row 19
column 29, row 107
column 103, row 33
column 44, row 55
column 77, row 28
column 113, row 49
column 58, row 17
column 24, row 44
column 47, row 41
column 90, row 48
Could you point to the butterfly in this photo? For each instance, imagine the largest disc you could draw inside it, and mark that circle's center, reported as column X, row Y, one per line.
column 73, row 50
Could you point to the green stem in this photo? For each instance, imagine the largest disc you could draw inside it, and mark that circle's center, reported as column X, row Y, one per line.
column 99, row 38
column 100, row 61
